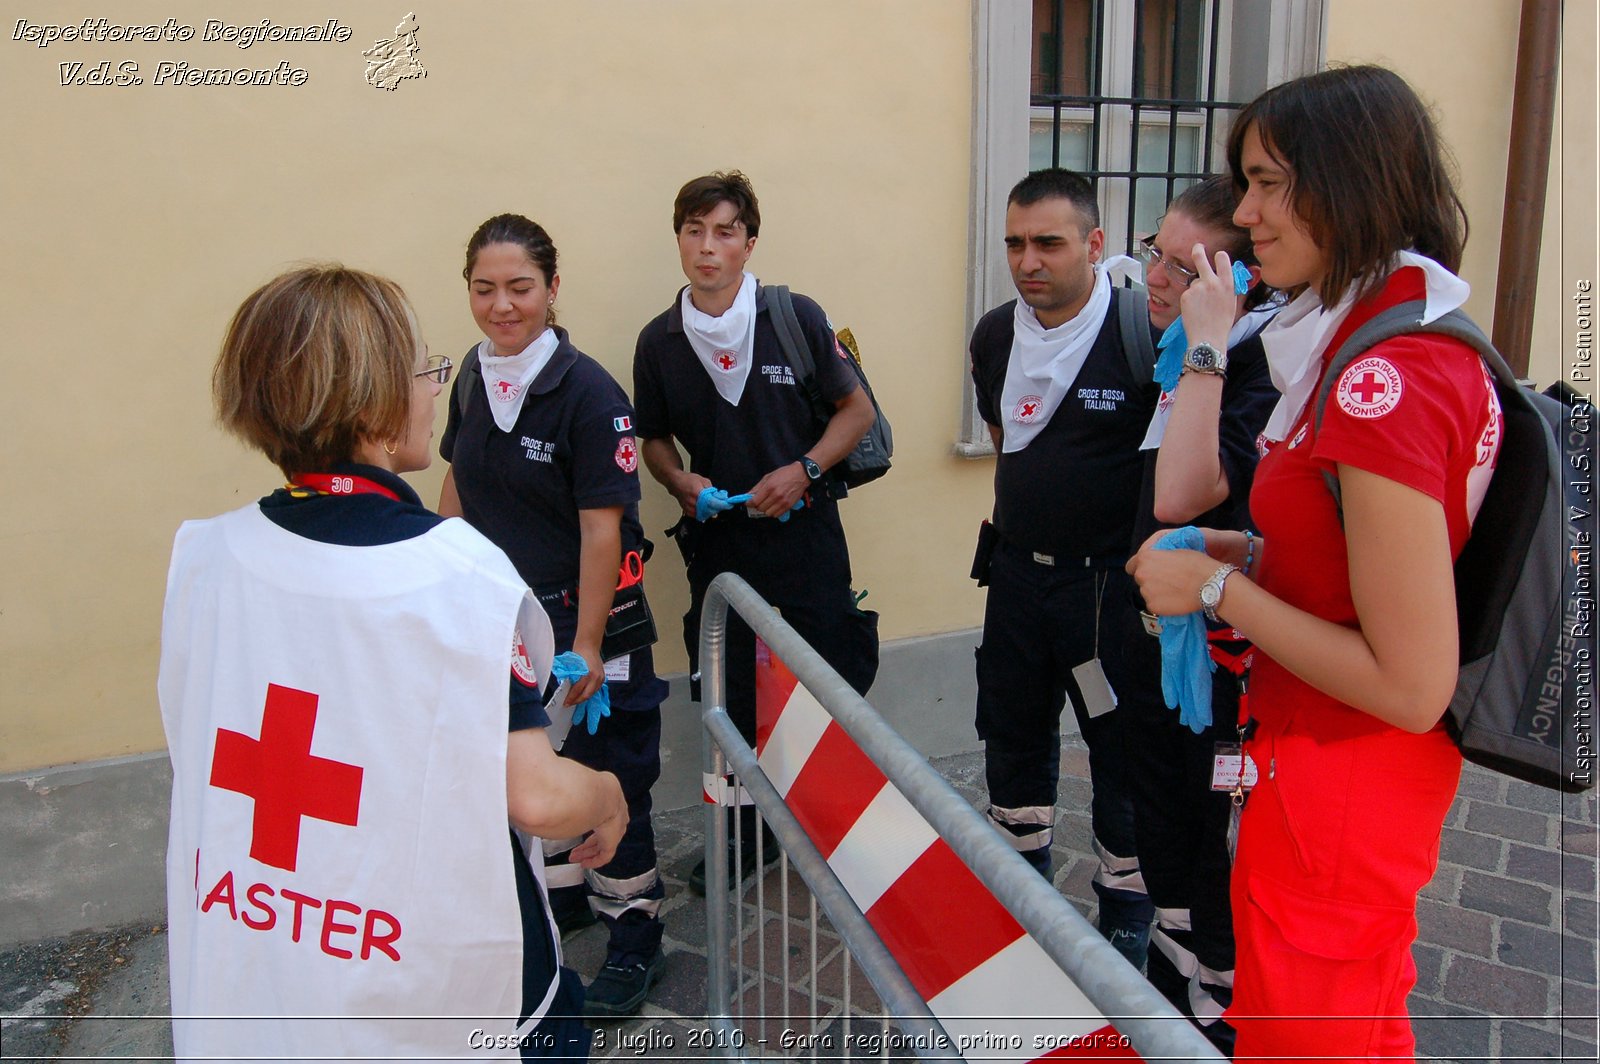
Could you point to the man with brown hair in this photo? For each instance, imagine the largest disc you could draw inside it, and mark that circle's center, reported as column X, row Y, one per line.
column 710, row 374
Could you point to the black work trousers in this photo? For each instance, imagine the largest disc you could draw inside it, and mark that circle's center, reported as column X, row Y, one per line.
column 1039, row 623
column 1181, row 827
column 801, row 567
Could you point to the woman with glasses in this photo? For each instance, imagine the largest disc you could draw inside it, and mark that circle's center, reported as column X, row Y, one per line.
column 1200, row 459
column 336, row 690
column 544, row 462
column 1349, row 202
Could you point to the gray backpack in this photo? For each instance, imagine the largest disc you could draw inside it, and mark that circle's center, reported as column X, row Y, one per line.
column 869, row 460
column 1524, row 586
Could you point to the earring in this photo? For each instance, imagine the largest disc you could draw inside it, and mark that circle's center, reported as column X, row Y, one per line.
column 552, row 302
column 388, row 447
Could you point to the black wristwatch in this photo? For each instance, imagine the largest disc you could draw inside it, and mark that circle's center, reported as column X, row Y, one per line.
column 813, row 471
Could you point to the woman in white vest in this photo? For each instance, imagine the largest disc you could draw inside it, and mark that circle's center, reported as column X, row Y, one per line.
column 341, row 876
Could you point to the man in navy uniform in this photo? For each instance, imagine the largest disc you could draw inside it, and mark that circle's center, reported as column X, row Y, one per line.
column 710, row 375
column 1067, row 416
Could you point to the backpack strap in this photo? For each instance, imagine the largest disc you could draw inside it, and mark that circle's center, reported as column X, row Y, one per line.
column 1404, row 319
column 780, row 302
column 467, row 380
column 1133, row 318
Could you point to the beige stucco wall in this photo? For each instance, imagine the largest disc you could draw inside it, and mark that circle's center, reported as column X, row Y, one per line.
column 1461, row 56
column 135, row 218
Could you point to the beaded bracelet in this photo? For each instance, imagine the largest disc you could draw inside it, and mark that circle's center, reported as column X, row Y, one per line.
column 1249, row 551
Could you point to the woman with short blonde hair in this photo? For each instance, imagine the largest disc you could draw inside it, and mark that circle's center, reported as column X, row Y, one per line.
column 336, row 693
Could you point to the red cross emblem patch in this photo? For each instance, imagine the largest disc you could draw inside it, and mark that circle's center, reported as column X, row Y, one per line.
column 522, row 662
column 725, row 360
column 1026, row 412
column 627, row 456
column 286, row 780
column 1370, row 388
column 505, row 391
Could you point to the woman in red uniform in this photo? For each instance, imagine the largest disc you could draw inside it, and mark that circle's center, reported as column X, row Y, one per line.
column 1347, row 198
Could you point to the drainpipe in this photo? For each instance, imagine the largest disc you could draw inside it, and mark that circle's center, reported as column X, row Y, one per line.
column 1527, row 175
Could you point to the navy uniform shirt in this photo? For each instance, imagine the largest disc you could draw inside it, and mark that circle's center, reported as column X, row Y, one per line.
column 774, row 423
column 572, row 448
column 1072, row 492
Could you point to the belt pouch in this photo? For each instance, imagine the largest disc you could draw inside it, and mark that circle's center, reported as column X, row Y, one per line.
column 630, row 625
column 988, row 538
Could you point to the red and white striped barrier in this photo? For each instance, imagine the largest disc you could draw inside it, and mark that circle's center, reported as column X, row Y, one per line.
column 986, row 980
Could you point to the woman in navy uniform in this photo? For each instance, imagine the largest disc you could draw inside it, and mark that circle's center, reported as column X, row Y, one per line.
column 544, row 462
column 1200, row 460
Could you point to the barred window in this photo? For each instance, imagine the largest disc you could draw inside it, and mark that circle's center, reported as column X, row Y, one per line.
column 1138, row 95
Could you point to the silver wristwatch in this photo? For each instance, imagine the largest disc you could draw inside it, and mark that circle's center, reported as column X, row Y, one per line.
column 1203, row 358
column 1211, row 590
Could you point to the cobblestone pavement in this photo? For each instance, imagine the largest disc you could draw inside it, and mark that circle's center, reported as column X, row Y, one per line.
column 1506, row 956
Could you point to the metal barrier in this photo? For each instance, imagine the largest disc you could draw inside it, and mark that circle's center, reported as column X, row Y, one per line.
column 1154, row 1029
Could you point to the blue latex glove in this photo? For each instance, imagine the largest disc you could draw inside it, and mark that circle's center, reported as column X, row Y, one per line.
column 598, row 705
column 713, row 501
column 1172, row 345
column 1186, row 664
column 1173, row 342
column 570, row 666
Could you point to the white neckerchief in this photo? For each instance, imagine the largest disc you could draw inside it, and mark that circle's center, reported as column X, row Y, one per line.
column 1298, row 337
column 725, row 345
column 1247, row 326
column 1123, row 268
column 1045, row 362
column 506, row 380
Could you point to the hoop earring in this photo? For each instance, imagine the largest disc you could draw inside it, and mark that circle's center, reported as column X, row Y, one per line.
column 387, row 449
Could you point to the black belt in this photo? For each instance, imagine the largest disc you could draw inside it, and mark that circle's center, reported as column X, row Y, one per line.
column 1063, row 560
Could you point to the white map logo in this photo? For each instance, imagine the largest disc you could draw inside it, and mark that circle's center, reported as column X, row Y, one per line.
column 392, row 61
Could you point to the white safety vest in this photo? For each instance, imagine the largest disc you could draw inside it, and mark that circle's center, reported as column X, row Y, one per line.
column 338, row 875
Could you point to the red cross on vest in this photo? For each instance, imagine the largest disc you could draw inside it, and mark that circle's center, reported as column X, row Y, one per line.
column 1369, row 386
column 725, row 360
column 286, row 781
column 1028, row 409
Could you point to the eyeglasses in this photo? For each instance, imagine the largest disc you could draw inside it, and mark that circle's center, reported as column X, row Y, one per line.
column 437, row 369
column 1151, row 255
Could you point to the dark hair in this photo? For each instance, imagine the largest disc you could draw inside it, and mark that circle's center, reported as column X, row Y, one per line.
column 527, row 235
column 315, row 361
column 1056, row 183
column 1368, row 174
column 1210, row 204
column 702, row 195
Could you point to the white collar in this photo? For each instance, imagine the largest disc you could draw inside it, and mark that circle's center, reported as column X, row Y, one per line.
column 725, row 345
column 1044, row 363
column 506, row 379
column 1299, row 336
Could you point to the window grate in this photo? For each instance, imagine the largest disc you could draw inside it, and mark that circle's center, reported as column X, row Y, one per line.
column 1144, row 145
